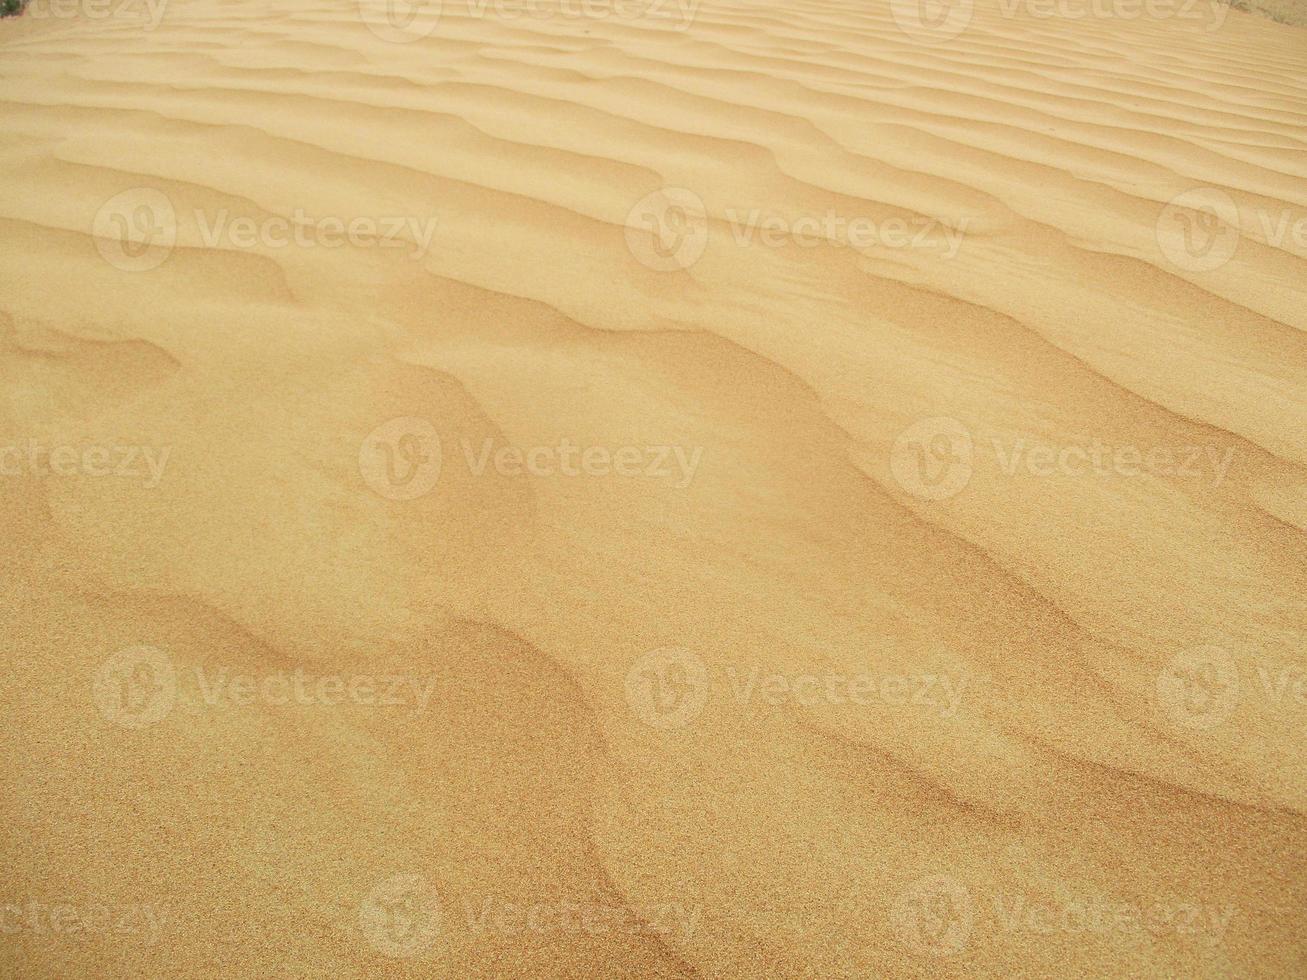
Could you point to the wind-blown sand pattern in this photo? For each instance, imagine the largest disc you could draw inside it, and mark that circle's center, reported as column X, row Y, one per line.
column 930, row 601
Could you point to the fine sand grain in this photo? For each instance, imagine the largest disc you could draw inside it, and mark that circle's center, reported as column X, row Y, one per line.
column 809, row 489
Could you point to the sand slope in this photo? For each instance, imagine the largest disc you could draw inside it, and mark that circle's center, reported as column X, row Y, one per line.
column 1115, row 784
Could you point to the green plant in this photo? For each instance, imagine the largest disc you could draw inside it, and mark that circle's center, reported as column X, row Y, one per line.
column 8, row 8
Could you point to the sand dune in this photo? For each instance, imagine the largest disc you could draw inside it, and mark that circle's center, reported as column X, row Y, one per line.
column 659, row 489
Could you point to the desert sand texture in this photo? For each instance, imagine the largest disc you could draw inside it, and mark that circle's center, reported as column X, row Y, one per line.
column 653, row 489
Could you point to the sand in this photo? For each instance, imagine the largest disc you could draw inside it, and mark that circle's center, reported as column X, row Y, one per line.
column 734, row 489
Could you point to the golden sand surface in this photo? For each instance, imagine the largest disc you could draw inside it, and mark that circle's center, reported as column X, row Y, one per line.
column 653, row 489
